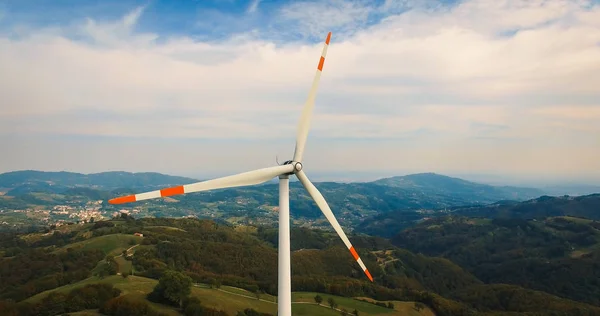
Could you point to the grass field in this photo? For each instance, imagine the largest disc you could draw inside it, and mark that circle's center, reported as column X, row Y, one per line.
column 124, row 265
column 230, row 299
column 164, row 227
column 231, row 303
column 405, row 308
column 236, row 290
column 576, row 219
column 364, row 308
column 343, row 302
column 311, row 309
column 109, row 244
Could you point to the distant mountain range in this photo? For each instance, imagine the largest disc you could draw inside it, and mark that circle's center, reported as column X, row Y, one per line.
column 104, row 180
column 438, row 184
column 351, row 202
column 432, row 183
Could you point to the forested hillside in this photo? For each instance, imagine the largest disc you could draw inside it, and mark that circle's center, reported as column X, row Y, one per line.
column 391, row 223
column 245, row 257
column 558, row 255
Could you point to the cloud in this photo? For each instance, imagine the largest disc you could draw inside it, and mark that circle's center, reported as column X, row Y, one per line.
column 253, row 6
column 315, row 18
column 501, row 75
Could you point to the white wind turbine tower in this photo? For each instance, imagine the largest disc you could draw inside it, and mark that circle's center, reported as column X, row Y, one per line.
column 283, row 171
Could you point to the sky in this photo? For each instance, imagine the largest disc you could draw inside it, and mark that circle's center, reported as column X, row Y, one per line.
column 495, row 89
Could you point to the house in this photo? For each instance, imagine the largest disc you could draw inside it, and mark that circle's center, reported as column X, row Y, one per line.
column 139, row 234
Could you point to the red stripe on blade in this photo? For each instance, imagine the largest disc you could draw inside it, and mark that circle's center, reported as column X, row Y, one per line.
column 328, row 38
column 321, row 62
column 171, row 191
column 368, row 275
column 354, row 253
column 123, row 199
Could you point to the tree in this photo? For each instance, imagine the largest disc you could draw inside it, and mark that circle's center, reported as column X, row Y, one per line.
column 172, row 287
column 418, row 306
column 124, row 305
column 355, row 312
column 108, row 268
column 251, row 312
column 332, row 302
column 125, row 274
column 344, row 312
column 318, row 299
column 390, row 305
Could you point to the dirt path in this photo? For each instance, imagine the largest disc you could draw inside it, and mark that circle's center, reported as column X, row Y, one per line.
column 128, row 249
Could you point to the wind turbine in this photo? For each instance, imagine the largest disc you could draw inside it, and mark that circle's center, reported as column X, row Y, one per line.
column 290, row 167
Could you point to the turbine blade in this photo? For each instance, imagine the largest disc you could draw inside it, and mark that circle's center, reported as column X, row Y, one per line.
column 238, row 180
column 320, row 200
column 304, row 124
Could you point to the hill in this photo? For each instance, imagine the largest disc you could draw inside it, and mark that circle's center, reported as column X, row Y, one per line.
column 232, row 300
column 352, row 202
column 103, row 180
column 587, row 206
column 243, row 261
column 476, row 193
column 557, row 255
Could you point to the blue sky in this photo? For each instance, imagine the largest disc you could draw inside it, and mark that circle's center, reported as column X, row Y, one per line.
column 207, row 19
column 201, row 88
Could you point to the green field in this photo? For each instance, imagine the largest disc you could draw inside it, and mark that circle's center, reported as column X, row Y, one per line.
column 110, row 244
column 311, row 309
column 164, row 228
column 576, row 219
column 124, row 265
column 236, row 290
column 405, row 308
column 232, row 299
column 364, row 308
column 230, row 302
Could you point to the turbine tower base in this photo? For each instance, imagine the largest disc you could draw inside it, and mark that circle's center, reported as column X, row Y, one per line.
column 284, row 286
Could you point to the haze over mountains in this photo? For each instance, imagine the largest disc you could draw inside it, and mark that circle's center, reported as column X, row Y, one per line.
column 413, row 196
column 119, row 179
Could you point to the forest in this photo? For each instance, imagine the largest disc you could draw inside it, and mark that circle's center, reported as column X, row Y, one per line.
column 461, row 268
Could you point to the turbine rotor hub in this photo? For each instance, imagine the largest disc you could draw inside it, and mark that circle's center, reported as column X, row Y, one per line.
column 297, row 165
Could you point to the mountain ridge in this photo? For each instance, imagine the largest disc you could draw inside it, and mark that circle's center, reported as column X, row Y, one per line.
column 107, row 179
column 11, row 178
column 351, row 202
column 427, row 180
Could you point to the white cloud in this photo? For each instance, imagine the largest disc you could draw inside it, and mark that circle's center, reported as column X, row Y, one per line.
column 315, row 18
column 253, row 6
column 436, row 76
